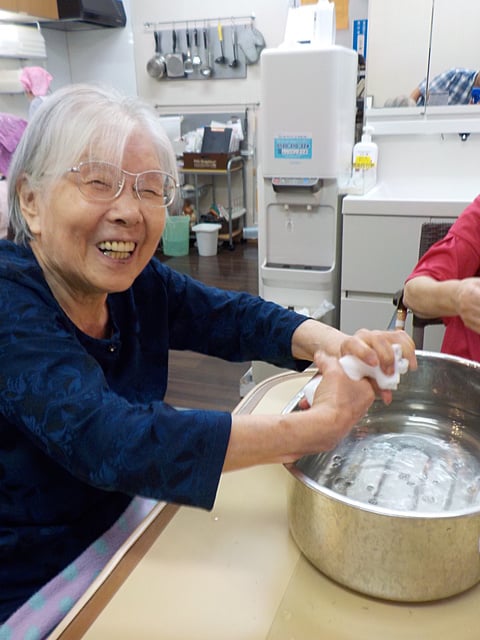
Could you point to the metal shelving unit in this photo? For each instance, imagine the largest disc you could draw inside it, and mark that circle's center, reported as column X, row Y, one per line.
column 235, row 164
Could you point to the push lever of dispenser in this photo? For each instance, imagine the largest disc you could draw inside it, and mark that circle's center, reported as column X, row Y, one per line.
column 297, row 185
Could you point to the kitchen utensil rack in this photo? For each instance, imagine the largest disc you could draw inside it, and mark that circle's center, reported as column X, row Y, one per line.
column 228, row 48
column 210, row 22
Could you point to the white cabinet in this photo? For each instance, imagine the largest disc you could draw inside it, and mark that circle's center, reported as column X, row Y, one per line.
column 379, row 250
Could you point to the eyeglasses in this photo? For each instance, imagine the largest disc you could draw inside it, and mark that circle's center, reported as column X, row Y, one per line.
column 105, row 181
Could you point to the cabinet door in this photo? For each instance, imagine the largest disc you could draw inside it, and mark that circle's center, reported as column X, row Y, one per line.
column 379, row 251
column 38, row 8
column 9, row 5
column 364, row 312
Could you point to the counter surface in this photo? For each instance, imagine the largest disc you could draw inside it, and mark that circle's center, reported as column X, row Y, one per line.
column 439, row 199
column 236, row 574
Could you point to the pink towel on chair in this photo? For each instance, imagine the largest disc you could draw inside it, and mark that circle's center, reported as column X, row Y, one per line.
column 46, row 608
column 35, row 80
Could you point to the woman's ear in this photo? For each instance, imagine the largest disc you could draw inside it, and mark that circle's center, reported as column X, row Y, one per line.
column 28, row 203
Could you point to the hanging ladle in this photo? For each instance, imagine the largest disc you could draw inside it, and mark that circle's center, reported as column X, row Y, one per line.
column 206, row 68
column 221, row 59
column 188, row 64
column 197, row 61
column 235, row 62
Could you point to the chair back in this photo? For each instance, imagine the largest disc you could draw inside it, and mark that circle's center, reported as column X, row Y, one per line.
column 430, row 233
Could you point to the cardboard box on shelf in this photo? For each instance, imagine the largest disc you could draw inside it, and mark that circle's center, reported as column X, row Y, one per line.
column 206, row 161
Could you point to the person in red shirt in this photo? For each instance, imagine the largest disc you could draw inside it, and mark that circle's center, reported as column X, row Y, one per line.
column 445, row 283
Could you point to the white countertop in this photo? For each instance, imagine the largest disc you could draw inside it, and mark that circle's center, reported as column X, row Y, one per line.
column 421, row 198
column 236, row 574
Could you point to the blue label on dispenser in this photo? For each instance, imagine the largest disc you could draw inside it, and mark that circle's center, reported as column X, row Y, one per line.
column 293, row 148
column 360, row 32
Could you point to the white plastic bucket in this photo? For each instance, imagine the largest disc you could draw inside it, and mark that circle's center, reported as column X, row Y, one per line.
column 207, row 238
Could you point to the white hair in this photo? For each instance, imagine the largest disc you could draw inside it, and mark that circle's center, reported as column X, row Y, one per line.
column 79, row 122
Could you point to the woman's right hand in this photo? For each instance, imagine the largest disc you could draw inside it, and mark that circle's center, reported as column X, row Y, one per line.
column 339, row 400
column 468, row 302
column 338, row 404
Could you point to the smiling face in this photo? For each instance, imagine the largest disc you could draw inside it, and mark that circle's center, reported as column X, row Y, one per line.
column 89, row 248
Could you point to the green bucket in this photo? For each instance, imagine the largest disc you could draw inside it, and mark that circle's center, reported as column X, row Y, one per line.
column 176, row 236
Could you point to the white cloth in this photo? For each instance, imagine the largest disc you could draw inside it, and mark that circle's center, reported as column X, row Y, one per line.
column 356, row 370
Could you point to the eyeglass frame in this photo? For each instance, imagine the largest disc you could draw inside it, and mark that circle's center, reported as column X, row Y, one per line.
column 121, row 185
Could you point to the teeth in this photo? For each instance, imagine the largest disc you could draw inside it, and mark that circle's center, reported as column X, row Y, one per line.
column 116, row 249
column 114, row 245
column 117, row 255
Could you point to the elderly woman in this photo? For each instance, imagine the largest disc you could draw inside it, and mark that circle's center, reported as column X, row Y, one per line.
column 88, row 316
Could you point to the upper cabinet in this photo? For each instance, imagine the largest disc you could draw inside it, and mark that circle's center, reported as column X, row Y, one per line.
column 398, row 48
column 412, row 40
column 33, row 8
column 67, row 15
column 9, row 5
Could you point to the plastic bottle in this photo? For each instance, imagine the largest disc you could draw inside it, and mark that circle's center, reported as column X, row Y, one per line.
column 364, row 164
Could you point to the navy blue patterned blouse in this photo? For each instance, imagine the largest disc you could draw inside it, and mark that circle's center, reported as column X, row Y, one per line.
column 82, row 424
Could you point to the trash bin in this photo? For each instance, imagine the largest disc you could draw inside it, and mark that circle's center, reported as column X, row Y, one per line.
column 207, row 238
column 176, row 236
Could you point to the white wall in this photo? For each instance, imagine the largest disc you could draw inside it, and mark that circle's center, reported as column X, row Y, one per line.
column 270, row 18
column 99, row 55
column 119, row 56
column 103, row 56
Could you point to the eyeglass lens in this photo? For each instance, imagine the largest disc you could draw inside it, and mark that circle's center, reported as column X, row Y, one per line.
column 103, row 181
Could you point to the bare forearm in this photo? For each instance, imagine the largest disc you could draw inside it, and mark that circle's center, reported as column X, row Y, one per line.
column 261, row 439
column 313, row 336
column 338, row 403
column 429, row 298
column 265, row 439
column 415, row 95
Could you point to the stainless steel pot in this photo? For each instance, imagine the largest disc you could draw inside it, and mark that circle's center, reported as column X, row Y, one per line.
column 156, row 65
column 174, row 60
column 394, row 510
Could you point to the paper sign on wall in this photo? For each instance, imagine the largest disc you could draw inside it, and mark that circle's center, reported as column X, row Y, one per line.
column 341, row 12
